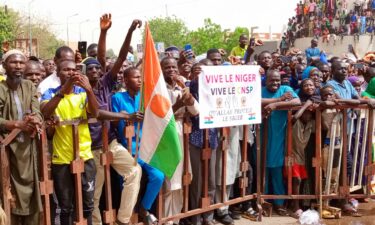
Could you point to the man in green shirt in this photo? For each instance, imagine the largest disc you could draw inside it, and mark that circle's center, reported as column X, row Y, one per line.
column 19, row 108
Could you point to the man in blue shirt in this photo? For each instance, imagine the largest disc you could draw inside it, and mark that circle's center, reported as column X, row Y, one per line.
column 275, row 95
column 341, row 86
column 265, row 62
column 313, row 52
column 129, row 102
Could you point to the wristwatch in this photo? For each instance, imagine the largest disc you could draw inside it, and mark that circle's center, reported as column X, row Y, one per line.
column 59, row 94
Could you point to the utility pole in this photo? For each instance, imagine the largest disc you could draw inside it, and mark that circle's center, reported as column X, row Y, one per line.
column 30, row 36
column 67, row 28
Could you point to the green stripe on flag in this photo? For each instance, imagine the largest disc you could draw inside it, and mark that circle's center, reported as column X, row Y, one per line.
column 168, row 153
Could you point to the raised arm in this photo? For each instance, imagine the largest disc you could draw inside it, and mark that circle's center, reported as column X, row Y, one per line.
column 105, row 24
column 124, row 49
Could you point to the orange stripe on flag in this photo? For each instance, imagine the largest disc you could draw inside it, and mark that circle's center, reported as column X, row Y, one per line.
column 160, row 105
column 151, row 67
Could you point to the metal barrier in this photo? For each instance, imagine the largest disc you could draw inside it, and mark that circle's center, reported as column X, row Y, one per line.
column 359, row 151
column 45, row 183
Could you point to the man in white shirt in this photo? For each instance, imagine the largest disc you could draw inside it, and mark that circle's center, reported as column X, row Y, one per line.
column 52, row 81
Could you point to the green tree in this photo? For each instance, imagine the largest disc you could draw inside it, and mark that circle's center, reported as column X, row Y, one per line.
column 40, row 30
column 6, row 26
column 231, row 38
column 170, row 30
column 206, row 37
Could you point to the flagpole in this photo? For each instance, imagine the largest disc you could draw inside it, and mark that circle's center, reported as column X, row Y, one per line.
column 140, row 100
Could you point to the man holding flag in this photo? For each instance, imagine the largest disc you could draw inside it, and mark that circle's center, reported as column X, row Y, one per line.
column 129, row 102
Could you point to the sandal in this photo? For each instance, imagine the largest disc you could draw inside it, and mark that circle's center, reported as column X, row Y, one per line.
column 297, row 214
column 250, row 214
column 349, row 210
column 327, row 214
column 281, row 211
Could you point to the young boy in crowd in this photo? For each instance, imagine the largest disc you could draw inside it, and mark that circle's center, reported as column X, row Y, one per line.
column 331, row 123
column 129, row 102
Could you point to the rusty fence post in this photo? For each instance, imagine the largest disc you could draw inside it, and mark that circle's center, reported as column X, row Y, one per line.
column 186, row 179
column 224, row 153
column 5, row 182
column 106, row 158
column 370, row 168
column 258, row 174
column 45, row 184
column 289, row 157
column 77, row 168
column 244, row 166
column 5, row 173
column 344, row 190
column 206, row 155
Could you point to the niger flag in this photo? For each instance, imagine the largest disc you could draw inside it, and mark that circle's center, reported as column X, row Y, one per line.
column 160, row 145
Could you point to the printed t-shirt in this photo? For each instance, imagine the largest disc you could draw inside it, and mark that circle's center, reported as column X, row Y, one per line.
column 71, row 107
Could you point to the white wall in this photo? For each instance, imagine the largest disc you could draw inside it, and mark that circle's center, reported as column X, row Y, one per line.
column 364, row 45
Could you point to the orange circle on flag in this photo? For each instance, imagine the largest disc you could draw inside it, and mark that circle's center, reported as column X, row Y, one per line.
column 160, row 105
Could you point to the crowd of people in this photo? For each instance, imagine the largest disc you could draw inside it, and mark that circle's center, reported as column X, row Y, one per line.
column 329, row 19
column 67, row 87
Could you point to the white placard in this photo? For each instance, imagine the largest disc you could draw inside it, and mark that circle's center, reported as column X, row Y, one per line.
column 229, row 96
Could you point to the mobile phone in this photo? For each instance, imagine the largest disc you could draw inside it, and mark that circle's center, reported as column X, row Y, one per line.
column 188, row 50
column 188, row 47
column 358, row 66
column 81, row 67
column 252, row 42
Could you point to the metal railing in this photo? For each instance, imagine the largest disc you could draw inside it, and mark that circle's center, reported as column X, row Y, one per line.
column 361, row 168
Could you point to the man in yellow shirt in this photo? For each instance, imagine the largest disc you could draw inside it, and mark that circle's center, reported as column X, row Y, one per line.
column 239, row 51
column 72, row 100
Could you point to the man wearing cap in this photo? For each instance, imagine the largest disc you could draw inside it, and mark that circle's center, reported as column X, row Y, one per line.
column 19, row 109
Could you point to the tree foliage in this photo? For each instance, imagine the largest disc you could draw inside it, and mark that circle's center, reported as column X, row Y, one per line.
column 40, row 30
column 170, row 30
column 6, row 26
column 173, row 31
column 206, row 37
